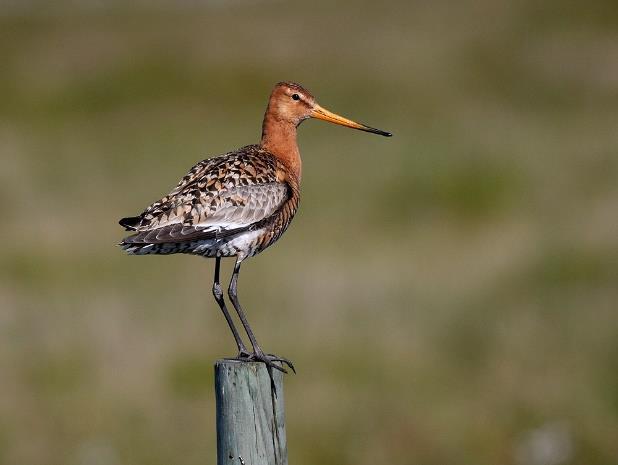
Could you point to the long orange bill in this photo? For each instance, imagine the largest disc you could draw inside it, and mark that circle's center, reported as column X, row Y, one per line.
column 323, row 114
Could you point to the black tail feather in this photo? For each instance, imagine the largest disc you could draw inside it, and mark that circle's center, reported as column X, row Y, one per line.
column 130, row 223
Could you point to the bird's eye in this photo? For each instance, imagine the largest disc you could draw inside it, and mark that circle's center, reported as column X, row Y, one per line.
column 295, row 97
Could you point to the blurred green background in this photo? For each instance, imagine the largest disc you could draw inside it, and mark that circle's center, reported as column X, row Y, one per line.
column 448, row 295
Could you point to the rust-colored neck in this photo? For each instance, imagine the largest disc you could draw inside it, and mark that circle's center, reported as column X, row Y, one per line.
column 279, row 138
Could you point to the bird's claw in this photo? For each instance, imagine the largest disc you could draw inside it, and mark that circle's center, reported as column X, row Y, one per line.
column 277, row 358
column 267, row 359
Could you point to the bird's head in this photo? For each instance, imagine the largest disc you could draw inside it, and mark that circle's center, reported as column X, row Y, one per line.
column 290, row 102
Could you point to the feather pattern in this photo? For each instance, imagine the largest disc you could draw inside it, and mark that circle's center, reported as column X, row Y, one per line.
column 219, row 201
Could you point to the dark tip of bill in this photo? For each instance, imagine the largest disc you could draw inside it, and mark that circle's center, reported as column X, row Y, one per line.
column 378, row 131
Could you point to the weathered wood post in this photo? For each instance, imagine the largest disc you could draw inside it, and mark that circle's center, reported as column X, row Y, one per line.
column 250, row 416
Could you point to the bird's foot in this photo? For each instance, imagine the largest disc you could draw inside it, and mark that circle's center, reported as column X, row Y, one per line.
column 267, row 359
column 282, row 360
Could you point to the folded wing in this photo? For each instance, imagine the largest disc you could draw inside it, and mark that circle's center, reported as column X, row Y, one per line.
column 193, row 215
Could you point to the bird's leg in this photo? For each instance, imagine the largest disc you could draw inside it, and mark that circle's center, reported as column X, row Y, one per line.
column 258, row 353
column 218, row 293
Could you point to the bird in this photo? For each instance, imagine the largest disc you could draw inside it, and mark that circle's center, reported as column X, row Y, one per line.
column 237, row 204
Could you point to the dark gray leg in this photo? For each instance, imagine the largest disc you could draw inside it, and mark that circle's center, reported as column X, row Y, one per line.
column 218, row 293
column 258, row 354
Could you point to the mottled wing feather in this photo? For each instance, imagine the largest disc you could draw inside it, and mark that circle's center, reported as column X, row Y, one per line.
column 237, row 210
column 218, row 197
column 245, row 205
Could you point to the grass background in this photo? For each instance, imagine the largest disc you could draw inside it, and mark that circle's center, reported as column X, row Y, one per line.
column 449, row 295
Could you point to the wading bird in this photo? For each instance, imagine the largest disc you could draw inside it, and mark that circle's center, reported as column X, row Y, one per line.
column 237, row 204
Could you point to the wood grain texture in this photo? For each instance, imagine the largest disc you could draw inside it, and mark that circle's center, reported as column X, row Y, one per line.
column 250, row 416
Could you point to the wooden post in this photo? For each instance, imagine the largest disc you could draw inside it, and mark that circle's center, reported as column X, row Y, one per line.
column 250, row 416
